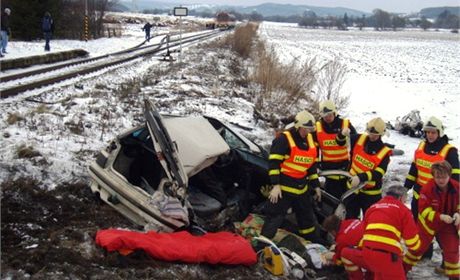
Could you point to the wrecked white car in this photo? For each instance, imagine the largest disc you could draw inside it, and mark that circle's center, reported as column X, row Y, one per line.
column 175, row 170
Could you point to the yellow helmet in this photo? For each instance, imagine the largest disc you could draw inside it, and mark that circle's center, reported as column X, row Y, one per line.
column 304, row 119
column 434, row 123
column 326, row 107
column 376, row 126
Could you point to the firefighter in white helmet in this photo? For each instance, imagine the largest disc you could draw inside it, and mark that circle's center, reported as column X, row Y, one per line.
column 434, row 148
column 293, row 174
column 369, row 161
column 332, row 155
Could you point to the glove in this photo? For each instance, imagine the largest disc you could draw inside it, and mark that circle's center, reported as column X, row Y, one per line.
column 345, row 132
column 355, row 181
column 456, row 218
column 265, row 190
column 446, row 218
column 317, row 195
column 332, row 248
column 329, row 255
column 275, row 193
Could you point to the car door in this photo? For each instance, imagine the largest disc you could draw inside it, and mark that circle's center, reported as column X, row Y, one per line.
column 165, row 148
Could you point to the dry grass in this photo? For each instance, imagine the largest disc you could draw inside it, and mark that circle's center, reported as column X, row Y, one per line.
column 24, row 151
column 41, row 109
column 330, row 81
column 243, row 39
column 14, row 118
column 284, row 89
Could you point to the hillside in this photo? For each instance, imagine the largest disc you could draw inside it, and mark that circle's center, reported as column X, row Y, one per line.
column 436, row 11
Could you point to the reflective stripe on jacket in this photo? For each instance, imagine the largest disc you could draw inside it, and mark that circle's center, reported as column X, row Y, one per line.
column 299, row 161
column 423, row 162
column 433, row 202
column 330, row 150
column 386, row 223
column 349, row 234
column 363, row 162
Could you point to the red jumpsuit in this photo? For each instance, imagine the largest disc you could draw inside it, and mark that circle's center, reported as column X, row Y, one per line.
column 350, row 233
column 432, row 203
column 385, row 224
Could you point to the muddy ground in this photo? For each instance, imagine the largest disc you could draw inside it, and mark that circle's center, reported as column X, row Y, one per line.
column 50, row 235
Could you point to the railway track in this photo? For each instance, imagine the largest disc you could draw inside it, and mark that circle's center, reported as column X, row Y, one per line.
column 17, row 83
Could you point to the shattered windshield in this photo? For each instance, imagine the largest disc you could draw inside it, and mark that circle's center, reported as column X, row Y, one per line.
column 232, row 140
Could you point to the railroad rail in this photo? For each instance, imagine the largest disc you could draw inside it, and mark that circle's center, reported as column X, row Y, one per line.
column 69, row 70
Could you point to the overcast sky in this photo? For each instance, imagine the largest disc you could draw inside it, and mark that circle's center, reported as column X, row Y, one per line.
column 362, row 5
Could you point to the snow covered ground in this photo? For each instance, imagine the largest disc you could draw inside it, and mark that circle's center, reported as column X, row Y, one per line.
column 390, row 74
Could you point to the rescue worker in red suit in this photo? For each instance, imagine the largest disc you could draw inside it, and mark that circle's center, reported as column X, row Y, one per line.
column 385, row 224
column 347, row 233
column 369, row 161
column 434, row 148
column 293, row 174
column 332, row 156
column 439, row 215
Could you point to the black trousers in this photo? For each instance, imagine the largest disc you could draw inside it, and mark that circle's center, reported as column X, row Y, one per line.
column 336, row 187
column 358, row 202
column 302, row 205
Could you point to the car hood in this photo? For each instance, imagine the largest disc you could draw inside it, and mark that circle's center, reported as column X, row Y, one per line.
column 198, row 142
column 184, row 145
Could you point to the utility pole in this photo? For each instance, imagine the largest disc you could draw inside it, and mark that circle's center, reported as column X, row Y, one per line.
column 180, row 12
column 86, row 21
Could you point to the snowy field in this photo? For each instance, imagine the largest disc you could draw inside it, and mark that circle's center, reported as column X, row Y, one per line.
column 390, row 74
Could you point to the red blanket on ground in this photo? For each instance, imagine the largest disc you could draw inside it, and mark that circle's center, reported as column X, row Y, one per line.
column 213, row 248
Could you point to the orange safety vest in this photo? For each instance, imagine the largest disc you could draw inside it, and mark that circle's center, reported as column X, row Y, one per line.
column 299, row 161
column 424, row 161
column 330, row 150
column 363, row 162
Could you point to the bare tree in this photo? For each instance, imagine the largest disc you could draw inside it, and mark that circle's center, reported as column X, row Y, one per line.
column 382, row 19
column 100, row 8
column 331, row 77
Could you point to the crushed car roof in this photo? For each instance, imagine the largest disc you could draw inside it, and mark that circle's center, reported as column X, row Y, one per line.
column 198, row 142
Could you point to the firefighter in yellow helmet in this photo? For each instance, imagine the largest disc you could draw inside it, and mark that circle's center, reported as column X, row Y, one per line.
column 369, row 161
column 332, row 155
column 293, row 174
column 435, row 147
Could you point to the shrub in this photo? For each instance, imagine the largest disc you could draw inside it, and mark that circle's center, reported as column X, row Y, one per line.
column 243, row 39
column 13, row 118
column 24, row 151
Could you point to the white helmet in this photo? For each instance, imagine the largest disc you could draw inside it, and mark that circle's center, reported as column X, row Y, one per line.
column 304, row 119
column 327, row 107
column 7, row 11
column 434, row 123
column 376, row 126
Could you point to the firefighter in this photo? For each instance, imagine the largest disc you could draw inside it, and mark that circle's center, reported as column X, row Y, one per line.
column 385, row 224
column 347, row 233
column 439, row 216
column 434, row 148
column 369, row 161
column 332, row 156
column 293, row 174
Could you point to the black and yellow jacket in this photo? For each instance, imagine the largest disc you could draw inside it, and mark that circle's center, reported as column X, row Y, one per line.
column 280, row 149
column 432, row 149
